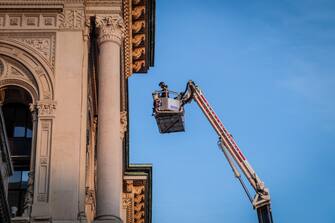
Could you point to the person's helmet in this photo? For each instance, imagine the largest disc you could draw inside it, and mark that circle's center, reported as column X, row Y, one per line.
column 163, row 85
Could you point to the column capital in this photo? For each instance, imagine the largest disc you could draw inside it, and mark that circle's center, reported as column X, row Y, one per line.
column 111, row 28
column 43, row 108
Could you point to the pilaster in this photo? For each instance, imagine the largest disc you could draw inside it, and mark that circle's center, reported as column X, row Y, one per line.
column 41, row 203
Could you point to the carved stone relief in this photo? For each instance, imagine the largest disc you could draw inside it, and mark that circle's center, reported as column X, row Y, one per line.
column 133, row 200
column 124, row 124
column 71, row 19
column 37, row 76
column 111, row 28
column 21, row 65
column 2, row 67
column 16, row 72
column 43, row 44
column 136, row 36
column 28, row 21
column 46, row 108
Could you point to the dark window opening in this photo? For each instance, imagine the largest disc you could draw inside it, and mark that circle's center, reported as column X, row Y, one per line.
column 18, row 122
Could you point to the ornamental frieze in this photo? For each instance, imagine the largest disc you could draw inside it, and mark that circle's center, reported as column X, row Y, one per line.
column 66, row 19
column 28, row 21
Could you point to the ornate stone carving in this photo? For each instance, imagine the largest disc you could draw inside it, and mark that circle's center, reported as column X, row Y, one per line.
column 87, row 28
column 14, row 21
column 111, row 28
column 137, row 42
column 127, row 39
column 138, row 12
column 139, row 213
column 126, row 200
column 15, row 73
column 71, row 19
column 40, row 85
column 2, row 67
column 133, row 200
column 90, row 197
column 138, row 53
column 124, row 123
column 138, row 65
column 138, row 26
column 46, row 107
column 32, row 20
column 127, row 203
column 32, row 107
column 42, row 43
column 28, row 200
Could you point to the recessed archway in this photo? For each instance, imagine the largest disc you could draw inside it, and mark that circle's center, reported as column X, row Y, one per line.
column 20, row 66
column 19, row 129
column 27, row 80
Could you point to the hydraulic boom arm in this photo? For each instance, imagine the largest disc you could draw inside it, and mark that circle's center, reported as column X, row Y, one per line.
column 163, row 106
column 228, row 144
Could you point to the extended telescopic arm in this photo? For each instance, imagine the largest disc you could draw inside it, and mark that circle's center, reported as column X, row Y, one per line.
column 229, row 146
column 169, row 114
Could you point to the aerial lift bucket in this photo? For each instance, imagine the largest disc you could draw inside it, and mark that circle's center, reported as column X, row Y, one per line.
column 169, row 113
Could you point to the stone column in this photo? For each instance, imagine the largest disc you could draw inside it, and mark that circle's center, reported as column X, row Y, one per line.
column 109, row 151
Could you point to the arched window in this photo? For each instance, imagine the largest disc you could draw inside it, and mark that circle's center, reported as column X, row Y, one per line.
column 18, row 121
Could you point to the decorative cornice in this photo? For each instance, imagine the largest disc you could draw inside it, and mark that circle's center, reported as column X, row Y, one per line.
column 23, row 4
column 111, row 28
column 139, row 17
column 128, row 70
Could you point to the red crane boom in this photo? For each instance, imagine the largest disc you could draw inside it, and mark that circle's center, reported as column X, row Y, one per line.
column 169, row 113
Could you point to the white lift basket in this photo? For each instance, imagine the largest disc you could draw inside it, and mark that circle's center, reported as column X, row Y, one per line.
column 168, row 112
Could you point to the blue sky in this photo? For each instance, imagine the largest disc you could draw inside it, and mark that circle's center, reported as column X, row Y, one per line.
column 267, row 68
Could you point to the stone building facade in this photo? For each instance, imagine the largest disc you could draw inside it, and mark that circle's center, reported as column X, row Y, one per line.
column 64, row 69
